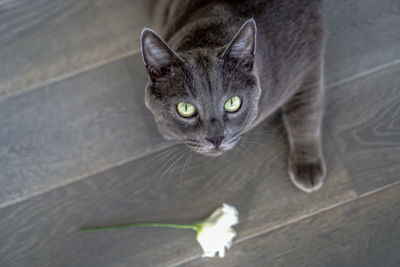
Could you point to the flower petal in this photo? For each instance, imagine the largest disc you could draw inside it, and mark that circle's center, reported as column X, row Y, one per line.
column 216, row 233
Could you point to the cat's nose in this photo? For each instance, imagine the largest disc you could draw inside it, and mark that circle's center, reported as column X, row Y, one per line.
column 217, row 140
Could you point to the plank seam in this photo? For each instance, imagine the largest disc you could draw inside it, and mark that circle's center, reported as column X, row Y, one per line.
column 71, row 74
column 119, row 163
column 137, row 51
column 86, row 175
column 364, row 74
column 295, row 220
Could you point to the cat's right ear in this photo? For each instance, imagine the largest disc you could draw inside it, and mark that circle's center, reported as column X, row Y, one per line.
column 157, row 56
column 241, row 49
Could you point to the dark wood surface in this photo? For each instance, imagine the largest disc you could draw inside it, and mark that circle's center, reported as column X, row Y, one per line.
column 78, row 148
column 69, row 141
column 256, row 183
column 44, row 40
column 61, row 133
column 364, row 232
column 362, row 36
column 364, row 119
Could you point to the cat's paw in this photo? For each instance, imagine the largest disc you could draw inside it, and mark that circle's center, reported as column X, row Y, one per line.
column 308, row 177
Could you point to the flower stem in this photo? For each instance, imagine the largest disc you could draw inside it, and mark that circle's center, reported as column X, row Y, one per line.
column 166, row 225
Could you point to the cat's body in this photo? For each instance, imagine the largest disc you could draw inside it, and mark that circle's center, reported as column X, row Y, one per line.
column 274, row 62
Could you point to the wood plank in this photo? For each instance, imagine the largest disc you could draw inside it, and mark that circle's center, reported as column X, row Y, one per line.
column 85, row 121
column 58, row 134
column 365, row 232
column 362, row 35
column 46, row 151
column 43, row 230
column 44, row 39
column 363, row 118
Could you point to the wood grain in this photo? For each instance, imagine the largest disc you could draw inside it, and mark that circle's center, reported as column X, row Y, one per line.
column 70, row 129
column 43, row 230
column 362, row 35
column 94, row 125
column 86, row 124
column 44, row 39
column 365, row 232
column 363, row 118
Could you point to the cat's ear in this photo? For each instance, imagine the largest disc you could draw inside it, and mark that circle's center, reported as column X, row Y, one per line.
column 158, row 57
column 242, row 47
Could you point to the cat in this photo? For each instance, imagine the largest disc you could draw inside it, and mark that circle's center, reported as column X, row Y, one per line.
column 224, row 66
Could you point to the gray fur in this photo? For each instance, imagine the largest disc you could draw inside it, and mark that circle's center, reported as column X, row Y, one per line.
column 268, row 52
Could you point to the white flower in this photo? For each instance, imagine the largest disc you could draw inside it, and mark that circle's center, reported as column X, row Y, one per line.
column 216, row 233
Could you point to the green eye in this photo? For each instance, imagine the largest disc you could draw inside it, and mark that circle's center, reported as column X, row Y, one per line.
column 186, row 110
column 233, row 104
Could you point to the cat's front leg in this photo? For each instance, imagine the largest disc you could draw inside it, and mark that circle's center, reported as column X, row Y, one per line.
column 302, row 115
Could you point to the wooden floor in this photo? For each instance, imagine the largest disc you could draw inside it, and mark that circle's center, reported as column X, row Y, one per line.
column 78, row 148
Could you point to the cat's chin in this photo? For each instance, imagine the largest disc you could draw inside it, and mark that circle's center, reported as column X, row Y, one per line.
column 211, row 153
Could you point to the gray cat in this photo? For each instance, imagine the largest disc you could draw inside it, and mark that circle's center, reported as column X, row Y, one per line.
column 228, row 65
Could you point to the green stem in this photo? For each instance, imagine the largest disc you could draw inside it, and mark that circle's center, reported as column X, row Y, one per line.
column 167, row 225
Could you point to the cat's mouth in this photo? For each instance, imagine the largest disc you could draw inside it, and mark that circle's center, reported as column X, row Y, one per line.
column 212, row 151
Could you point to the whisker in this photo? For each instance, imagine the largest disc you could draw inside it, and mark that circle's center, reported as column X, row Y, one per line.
column 173, row 164
column 254, row 143
column 252, row 136
column 165, row 151
column 241, row 149
column 172, row 149
column 173, row 143
column 258, row 134
column 189, row 158
column 249, row 152
column 175, row 161
column 169, row 160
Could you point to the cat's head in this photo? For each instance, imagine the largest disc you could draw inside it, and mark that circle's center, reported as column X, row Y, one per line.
column 205, row 98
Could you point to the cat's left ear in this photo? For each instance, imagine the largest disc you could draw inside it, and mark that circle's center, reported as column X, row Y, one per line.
column 243, row 46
